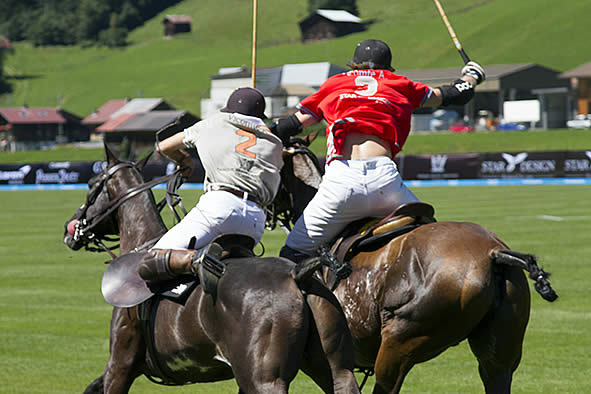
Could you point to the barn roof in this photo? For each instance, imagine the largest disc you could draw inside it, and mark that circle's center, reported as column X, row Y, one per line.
column 268, row 79
column 26, row 115
column 582, row 71
column 338, row 16
column 147, row 121
column 150, row 121
column 177, row 19
column 139, row 105
column 104, row 113
column 310, row 74
column 449, row 74
column 113, row 123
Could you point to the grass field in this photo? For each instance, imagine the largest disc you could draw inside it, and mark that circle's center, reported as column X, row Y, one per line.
column 54, row 322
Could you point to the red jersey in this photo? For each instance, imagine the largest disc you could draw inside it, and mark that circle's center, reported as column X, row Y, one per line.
column 376, row 102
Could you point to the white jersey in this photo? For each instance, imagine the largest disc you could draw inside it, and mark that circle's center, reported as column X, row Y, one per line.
column 239, row 152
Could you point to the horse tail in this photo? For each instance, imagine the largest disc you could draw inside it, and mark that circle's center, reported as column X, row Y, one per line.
column 528, row 263
column 304, row 270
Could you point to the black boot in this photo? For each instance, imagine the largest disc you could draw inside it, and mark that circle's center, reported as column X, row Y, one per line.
column 293, row 255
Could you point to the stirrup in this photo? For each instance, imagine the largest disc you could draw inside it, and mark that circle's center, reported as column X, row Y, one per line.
column 342, row 269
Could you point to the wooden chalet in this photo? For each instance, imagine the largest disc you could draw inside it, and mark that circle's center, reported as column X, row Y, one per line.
column 28, row 128
column 101, row 115
column 135, row 132
column 5, row 43
column 327, row 24
column 174, row 24
column 581, row 80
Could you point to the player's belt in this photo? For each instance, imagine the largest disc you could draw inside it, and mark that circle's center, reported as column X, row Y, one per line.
column 238, row 193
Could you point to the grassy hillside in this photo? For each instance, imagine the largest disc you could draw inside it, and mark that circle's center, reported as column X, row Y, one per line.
column 492, row 32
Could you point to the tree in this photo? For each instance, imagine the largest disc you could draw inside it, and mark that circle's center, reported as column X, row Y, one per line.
column 115, row 35
column 130, row 17
column 93, row 17
column 52, row 28
column 4, row 85
column 83, row 22
column 346, row 5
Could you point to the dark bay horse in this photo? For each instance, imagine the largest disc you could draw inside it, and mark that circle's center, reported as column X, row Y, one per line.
column 427, row 290
column 260, row 329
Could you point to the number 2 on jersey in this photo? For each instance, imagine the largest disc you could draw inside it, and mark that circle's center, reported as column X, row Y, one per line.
column 243, row 146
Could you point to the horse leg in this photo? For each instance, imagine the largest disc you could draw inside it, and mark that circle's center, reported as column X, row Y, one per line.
column 329, row 357
column 266, row 355
column 498, row 340
column 127, row 352
column 96, row 387
column 394, row 359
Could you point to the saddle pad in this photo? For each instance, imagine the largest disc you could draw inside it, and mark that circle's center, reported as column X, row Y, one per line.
column 177, row 289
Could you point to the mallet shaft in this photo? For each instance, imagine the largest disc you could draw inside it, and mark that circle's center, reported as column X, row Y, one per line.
column 452, row 33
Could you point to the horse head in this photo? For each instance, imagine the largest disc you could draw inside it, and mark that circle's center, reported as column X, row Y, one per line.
column 96, row 220
column 300, row 177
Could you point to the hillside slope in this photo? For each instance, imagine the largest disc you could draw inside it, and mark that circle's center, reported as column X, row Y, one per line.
column 491, row 31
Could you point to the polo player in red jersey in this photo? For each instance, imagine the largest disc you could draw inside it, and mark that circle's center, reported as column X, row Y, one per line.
column 368, row 112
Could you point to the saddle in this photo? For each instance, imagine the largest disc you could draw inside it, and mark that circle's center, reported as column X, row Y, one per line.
column 370, row 234
column 212, row 268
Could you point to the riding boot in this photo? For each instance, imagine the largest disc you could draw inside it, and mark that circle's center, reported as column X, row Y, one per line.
column 166, row 264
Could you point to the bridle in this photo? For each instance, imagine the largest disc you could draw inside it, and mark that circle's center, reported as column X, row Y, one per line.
column 282, row 210
column 86, row 231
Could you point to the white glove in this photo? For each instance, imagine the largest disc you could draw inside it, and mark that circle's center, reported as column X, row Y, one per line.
column 475, row 71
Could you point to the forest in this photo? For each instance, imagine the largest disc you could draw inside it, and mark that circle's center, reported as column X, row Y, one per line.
column 76, row 22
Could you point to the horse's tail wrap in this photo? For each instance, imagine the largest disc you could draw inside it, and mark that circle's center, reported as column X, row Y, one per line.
column 528, row 263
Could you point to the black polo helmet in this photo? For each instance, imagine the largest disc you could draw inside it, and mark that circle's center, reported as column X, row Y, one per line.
column 246, row 101
column 374, row 54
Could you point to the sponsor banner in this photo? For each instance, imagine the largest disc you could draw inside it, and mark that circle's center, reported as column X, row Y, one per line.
column 63, row 173
column 48, row 173
column 433, row 167
column 555, row 164
column 558, row 164
column 577, row 164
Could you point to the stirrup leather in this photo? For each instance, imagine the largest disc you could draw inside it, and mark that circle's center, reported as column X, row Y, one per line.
column 208, row 266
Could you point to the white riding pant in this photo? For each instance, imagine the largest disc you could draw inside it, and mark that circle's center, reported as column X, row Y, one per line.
column 350, row 190
column 216, row 213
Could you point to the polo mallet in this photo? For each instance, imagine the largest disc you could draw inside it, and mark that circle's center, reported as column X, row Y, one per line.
column 254, row 42
column 451, row 32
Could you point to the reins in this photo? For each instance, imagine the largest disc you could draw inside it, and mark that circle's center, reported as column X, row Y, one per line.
column 284, row 213
column 85, row 226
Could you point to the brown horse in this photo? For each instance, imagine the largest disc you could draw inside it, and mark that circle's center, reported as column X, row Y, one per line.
column 422, row 292
column 259, row 329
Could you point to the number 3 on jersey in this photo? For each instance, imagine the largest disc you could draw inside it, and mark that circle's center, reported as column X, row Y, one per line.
column 370, row 83
column 243, row 146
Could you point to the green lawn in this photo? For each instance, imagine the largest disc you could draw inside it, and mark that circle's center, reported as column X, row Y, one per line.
column 54, row 322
